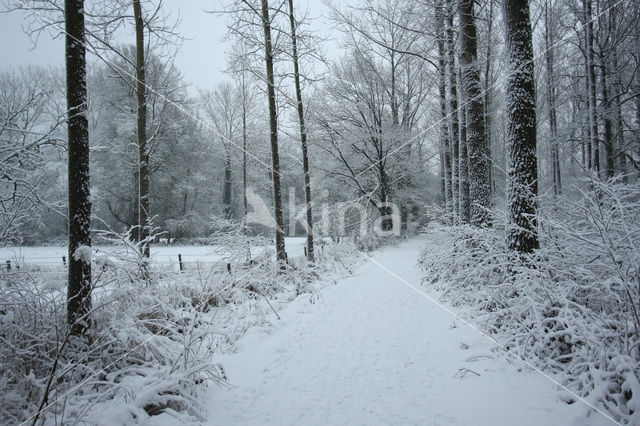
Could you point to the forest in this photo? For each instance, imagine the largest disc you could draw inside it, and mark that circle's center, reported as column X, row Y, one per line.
column 443, row 194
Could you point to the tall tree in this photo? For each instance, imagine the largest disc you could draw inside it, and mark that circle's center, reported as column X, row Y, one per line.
column 618, row 88
column 522, row 163
column 445, row 146
column 551, row 98
column 281, row 253
column 79, row 281
column 608, row 150
column 463, row 168
column 479, row 185
column 143, row 152
column 591, row 85
column 487, row 91
column 453, row 110
column 229, row 118
column 303, row 134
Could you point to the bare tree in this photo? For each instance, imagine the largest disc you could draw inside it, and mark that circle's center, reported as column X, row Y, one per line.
column 522, row 167
column 30, row 123
column 454, row 123
column 143, row 152
column 593, row 146
column 281, row 253
column 445, row 146
column 303, row 135
column 79, row 283
column 479, row 185
column 229, row 119
column 551, row 97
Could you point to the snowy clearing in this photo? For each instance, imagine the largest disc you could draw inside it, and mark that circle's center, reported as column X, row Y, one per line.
column 370, row 350
column 166, row 254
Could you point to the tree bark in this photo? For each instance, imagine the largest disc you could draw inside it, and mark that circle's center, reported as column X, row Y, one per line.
column 226, row 193
column 522, row 165
column 487, row 97
column 79, row 282
column 551, row 99
column 444, row 129
column 463, row 167
column 619, row 139
column 303, row 136
column 143, row 152
column 244, row 149
column 281, row 253
column 479, row 191
column 607, row 137
column 453, row 112
column 591, row 81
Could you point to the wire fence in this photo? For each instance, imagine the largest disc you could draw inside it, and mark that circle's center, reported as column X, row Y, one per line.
column 16, row 265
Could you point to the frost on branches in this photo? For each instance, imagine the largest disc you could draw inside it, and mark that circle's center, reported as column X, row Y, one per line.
column 571, row 307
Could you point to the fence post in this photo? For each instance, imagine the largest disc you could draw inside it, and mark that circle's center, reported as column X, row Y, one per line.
column 228, row 267
column 180, row 263
column 64, row 260
column 8, row 266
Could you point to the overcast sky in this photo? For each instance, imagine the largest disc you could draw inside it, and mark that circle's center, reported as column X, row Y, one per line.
column 201, row 58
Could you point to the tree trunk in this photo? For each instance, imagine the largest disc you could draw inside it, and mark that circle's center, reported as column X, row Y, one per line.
column 607, row 137
column 522, row 165
column 453, row 112
column 442, row 199
column 444, row 130
column 487, row 96
column 244, row 149
column 637, row 104
column 618, row 140
column 143, row 152
column 226, row 193
column 303, row 136
column 463, row 167
column 79, row 283
column 479, row 191
column 281, row 253
column 591, row 81
column 587, row 135
column 551, row 99
column 245, row 202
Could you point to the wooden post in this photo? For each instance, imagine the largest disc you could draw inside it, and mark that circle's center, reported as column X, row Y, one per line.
column 8, row 266
column 64, row 260
column 180, row 263
column 228, row 267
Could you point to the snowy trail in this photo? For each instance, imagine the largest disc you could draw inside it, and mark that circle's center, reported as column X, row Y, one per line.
column 371, row 350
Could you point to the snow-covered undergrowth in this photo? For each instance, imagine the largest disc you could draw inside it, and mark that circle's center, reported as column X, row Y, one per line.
column 572, row 307
column 154, row 333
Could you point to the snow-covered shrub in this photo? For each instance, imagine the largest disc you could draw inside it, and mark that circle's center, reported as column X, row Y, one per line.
column 152, row 344
column 190, row 225
column 140, row 336
column 571, row 308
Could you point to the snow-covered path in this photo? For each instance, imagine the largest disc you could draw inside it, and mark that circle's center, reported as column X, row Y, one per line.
column 371, row 350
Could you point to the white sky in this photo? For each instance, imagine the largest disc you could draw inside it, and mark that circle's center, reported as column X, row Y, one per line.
column 201, row 59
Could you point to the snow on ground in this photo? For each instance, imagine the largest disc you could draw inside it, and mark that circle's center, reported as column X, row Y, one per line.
column 52, row 255
column 370, row 350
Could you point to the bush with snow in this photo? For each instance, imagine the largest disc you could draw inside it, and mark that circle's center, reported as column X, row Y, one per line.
column 571, row 308
column 150, row 350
